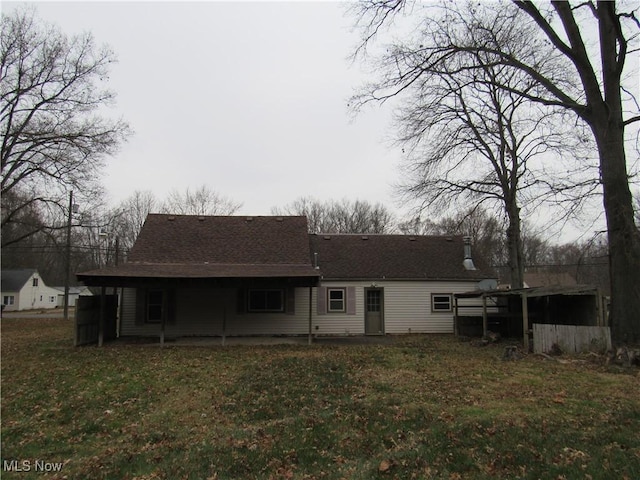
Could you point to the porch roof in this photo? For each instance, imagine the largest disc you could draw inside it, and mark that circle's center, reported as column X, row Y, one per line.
column 135, row 271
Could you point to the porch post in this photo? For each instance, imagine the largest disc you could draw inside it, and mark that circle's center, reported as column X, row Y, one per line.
column 163, row 317
column 103, row 303
column 224, row 325
column 310, row 314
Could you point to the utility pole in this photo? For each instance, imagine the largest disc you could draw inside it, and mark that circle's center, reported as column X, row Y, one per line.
column 67, row 259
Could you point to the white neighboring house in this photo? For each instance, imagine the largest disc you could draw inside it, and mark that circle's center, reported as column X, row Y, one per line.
column 74, row 293
column 24, row 289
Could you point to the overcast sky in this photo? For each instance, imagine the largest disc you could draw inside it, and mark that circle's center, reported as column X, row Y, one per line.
column 247, row 98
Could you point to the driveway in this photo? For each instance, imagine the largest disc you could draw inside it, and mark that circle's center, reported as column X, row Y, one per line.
column 41, row 313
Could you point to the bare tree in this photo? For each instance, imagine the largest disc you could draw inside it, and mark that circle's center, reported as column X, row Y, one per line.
column 340, row 217
column 596, row 98
column 202, row 201
column 130, row 215
column 468, row 139
column 53, row 137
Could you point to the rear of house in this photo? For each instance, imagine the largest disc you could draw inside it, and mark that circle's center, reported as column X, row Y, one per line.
column 390, row 284
column 224, row 276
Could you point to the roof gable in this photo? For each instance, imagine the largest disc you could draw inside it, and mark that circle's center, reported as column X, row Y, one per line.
column 413, row 257
column 14, row 280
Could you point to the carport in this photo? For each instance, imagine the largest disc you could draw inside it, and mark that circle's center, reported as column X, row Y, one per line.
column 515, row 311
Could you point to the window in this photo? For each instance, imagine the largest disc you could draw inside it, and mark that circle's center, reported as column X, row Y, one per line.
column 35, row 282
column 336, row 299
column 154, row 306
column 266, row 300
column 440, row 302
column 8, row 300
column 52, row 299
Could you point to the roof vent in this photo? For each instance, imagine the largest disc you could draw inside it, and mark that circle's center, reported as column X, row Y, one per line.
column 412, row 239
column 327, row 237
column 468, row 261
column 249, row 219
column 364, row 237
column 201, row 219
column 279, row 219
column 171, row 218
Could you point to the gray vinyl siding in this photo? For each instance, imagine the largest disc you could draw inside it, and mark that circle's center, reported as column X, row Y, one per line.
column 203, row 312
column 339, row 323
column 407, row 309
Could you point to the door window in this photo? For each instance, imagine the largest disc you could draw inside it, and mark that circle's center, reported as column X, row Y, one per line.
column 373, row 300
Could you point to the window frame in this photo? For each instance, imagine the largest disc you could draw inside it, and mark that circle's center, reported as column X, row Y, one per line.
column 342, row 290
column 35, row 282
column 265, row 308
column 148, row 305
column 448, row 303
column 9, row 300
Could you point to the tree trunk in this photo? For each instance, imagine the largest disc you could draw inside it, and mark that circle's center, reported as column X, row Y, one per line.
column 514, row 247
column 624, row 238
column 606, row 121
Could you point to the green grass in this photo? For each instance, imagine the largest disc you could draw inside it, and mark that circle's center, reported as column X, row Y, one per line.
column 423, row 407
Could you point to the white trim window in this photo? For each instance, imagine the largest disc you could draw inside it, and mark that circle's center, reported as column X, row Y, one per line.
column 441, row 302
column 336, row 300
column 9, row 300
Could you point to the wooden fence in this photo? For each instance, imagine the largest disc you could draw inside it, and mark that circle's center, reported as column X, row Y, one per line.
column 570, row 338
column 88, row 319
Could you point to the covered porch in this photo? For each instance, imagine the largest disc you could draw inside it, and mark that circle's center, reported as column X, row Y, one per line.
column 231, row 303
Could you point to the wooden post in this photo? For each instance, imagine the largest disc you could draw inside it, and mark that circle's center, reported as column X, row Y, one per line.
column 103, row 303
column 163, row 316
column 224, row 326
column 455, row 315
column 485, row 323
column 310, row 315
column 525, row 322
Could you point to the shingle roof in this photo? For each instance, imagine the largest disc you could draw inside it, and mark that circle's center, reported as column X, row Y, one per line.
column 184, row 246
column 187, row 246
column 14, row 280
column 394, row 257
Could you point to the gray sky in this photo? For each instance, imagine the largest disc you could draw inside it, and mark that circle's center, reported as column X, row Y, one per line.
column 247, row 98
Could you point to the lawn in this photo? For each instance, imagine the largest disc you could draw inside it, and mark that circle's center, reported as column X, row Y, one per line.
column 422, row 407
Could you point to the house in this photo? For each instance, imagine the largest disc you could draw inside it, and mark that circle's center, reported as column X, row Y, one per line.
column 221, row 276
column 74, row 294
column 24, row 289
